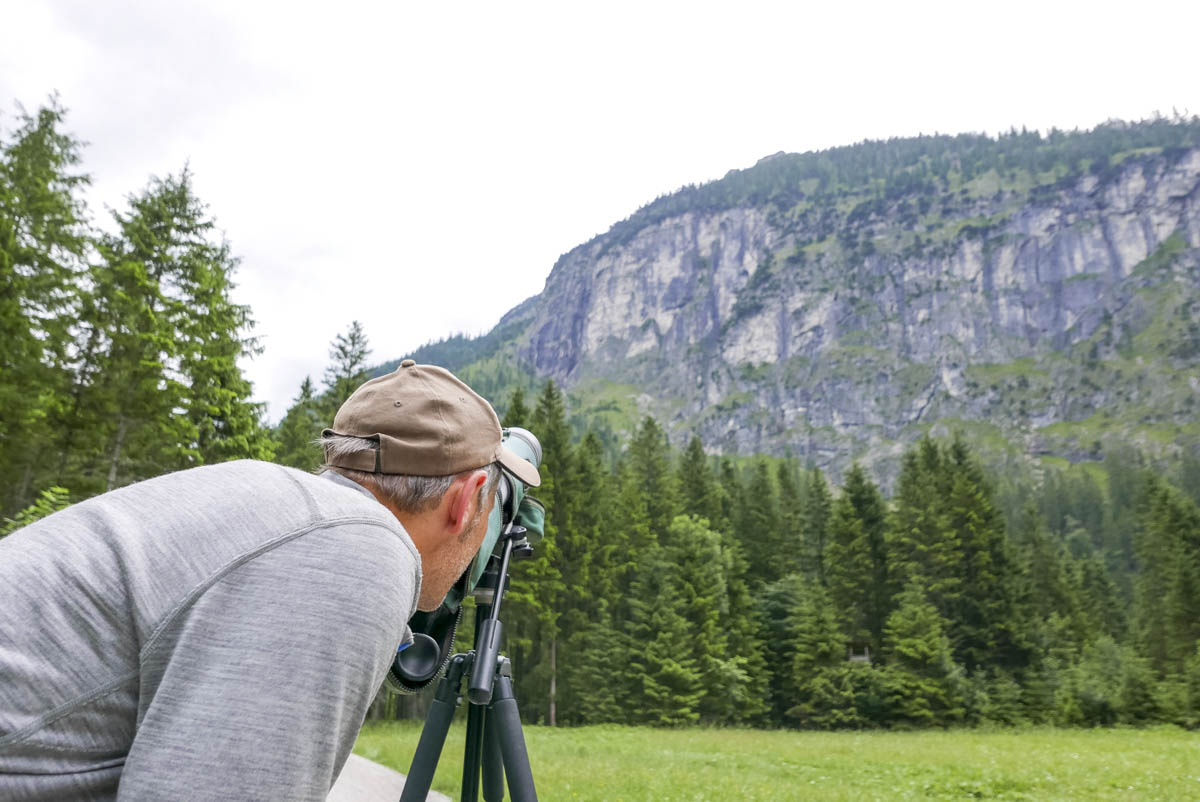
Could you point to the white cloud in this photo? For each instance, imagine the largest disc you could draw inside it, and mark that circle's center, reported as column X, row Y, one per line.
column 420, row 167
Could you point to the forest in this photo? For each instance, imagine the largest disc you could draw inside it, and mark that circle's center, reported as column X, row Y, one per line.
column 674, row 586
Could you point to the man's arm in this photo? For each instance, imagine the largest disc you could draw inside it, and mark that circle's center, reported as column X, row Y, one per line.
column 258, row 689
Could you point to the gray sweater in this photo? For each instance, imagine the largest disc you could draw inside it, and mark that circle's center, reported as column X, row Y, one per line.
column 216, row 633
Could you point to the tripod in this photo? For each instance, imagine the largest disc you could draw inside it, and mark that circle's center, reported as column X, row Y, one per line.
column 495, row 743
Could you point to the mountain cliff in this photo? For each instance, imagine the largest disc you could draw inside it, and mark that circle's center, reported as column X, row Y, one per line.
column 1041, row 292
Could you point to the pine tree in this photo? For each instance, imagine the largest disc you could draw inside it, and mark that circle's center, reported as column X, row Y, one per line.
column 347, row 368
column 1166, row 622
column 43, row 242
column 790, row 539
column 667, row 684
column 697, row 485
column 815, row 524
column 699, row 577
column 924, row 684
column 587, row 553
column 649, row 456
column 300, row 427
column 857, row 559
column 168, row 336
column 988, row 616
column 537, row 584
column 777, row 605
column 517, row 413
column 824, row 690
column 758, row 527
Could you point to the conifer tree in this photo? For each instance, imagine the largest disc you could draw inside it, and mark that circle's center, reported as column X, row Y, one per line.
column 698, row 576
column 697, row 485
column 1167, row 587
column 587, row 553
column 790, row 540
column 924, row 685
column 347, row 368
column 300, row 427
column 537, row 584
column 170, row 394
column 743, row 668
column 988, row 618
column 758, row 527
column 777, row 605
column 1047, row 572
column 825, row 691
column 815, row 524
column 517, row 413
column 857, row 559
column 649, row 457
column 43, row 242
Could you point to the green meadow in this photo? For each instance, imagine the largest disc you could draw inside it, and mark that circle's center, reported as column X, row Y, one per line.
column 612, row 763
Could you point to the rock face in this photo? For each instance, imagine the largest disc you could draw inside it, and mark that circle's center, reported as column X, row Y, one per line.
column 786, row 333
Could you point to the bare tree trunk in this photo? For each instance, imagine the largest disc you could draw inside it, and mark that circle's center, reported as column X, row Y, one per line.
column 553, row 681
column 21, row 500
column 122, row 427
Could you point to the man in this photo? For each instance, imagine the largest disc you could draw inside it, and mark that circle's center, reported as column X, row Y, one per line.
column 219, row 633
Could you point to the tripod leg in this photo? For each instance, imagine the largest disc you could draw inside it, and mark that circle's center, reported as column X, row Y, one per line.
column 473, row 755
column 433, row 737
column 493, row 765
column 504, row 716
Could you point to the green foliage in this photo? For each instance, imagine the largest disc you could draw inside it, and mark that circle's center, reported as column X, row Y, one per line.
column 43, row 245
column 879, row 172
column 857, row 559
column 121, row 348
column 924, row 685
column 517, row 413
column 49, row 501
column 296, row 435
column 347, row 368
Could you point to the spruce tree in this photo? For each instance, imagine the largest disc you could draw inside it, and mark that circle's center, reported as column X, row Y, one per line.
column 857, row 559
column 924, row 685
column 698, row 576
column 698, row 490
column 43, row 242
column 517, row 413
column 300, row 427
column 790, row 539
column 815, row 524
column 665, row 683
column 1166, row 621
column 170, row 394
column 537, row 584
column 347, row 368
column 825, row 692
column 587, row 553
column 758, row 527
column 649, row 456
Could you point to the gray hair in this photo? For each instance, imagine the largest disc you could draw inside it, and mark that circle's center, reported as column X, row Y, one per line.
column 412, row 494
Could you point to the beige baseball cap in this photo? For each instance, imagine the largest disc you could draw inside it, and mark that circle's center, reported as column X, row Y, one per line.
column 428, row 422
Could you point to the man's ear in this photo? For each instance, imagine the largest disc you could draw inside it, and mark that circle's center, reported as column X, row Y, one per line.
column 463, row 492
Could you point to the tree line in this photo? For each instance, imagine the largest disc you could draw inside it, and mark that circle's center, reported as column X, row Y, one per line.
column 677, row 587
column 674, row 586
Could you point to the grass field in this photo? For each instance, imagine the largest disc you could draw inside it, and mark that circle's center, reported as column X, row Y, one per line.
column 626, row 763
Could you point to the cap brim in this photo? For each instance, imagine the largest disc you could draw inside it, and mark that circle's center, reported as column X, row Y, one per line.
column 519, row 468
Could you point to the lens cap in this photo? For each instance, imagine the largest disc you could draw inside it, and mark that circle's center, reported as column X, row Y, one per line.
column 420, row 661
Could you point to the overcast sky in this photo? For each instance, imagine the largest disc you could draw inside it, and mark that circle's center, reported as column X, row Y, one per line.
column 420, row 167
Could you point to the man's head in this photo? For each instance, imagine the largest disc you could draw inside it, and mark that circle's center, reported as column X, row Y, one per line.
column 429, row 448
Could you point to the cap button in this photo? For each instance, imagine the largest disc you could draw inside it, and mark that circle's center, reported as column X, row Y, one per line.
column 408, row 363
